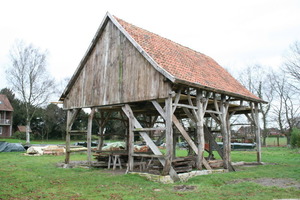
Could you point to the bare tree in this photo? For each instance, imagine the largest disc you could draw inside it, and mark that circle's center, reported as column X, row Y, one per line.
column 286, row 107
column 29, row 78
column 292, row 63
column 256, row 79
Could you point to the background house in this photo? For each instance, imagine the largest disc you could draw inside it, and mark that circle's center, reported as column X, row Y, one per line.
column 22, row 129
column 274, row 132
column 6, row 114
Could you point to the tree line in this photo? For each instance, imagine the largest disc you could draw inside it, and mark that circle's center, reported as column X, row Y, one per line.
column 281, row 89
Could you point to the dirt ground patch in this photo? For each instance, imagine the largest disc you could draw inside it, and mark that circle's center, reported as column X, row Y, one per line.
column 278, row 182
column 183, row 188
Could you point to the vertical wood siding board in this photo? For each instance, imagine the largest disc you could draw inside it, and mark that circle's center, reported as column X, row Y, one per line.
column 83, row 86
column 105, row 54
column 101, row 69
column 87, row 81
column 120, row 67
column 114, row 67
column 97, row 78
column 137, row 82
column 87, row 86
column 125, row 70
column 126, row 91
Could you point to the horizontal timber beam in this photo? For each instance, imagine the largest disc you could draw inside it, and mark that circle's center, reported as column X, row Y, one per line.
column 150, row 129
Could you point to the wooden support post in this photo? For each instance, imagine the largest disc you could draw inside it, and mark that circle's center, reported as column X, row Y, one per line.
column 229, row 138
column 101, row 138
column 100, row 132
column 169, row 136
column 258, row 139
column 68, row 138
column 130, row 145
column 229, row 133
column 175, row 140
column 224, row 132
column 89, row 136
column 200, row 130
column 101, row 123
column 71, row 116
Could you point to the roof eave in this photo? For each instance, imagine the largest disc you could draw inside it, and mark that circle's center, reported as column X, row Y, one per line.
column 197, row 85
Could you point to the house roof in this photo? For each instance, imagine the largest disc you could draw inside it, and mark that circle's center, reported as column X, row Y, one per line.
column 178, row 63
column 22, row 129
column 5, row 104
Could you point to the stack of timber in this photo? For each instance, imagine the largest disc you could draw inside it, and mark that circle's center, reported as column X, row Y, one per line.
column 180, row 165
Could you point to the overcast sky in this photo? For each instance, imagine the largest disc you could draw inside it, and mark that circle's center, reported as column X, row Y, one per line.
column 235, row 33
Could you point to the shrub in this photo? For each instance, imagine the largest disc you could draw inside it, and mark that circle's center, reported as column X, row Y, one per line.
column 295, row 138
column 20, row 135
column 95, row 137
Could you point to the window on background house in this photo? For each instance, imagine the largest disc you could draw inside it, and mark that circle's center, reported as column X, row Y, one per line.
column 0, row 130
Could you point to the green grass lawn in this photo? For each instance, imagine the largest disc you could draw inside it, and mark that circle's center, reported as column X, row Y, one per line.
column 37, row 177
column 272, row 141
column 10, row 140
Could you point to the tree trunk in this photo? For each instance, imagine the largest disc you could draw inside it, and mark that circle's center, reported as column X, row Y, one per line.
column 27, row 131
column 264, row 141
column 288, row 139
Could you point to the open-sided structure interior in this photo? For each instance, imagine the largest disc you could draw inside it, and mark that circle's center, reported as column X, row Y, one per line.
column 155, row 85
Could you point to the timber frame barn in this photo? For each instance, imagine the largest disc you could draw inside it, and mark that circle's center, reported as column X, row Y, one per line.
column 135, row 72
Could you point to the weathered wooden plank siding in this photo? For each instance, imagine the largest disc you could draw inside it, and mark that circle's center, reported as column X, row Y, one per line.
column 115, row 72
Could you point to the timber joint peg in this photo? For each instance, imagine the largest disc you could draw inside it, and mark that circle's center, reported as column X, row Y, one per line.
column 172, row 93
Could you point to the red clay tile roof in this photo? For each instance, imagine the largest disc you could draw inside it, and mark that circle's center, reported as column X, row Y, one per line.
column 5, row 104
column 184, row 63
column 22, row 129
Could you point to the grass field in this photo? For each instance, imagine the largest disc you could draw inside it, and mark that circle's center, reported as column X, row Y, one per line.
column 23, row 177
column 271, row 141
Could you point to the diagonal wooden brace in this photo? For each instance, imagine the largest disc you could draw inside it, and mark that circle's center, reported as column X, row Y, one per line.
column 128, row 112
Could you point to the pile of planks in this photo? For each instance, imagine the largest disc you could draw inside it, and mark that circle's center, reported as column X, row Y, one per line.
column 180, row 165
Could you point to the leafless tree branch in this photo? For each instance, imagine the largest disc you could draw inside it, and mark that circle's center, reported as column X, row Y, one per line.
column 29, row 78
